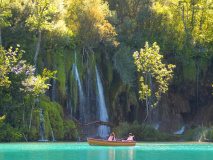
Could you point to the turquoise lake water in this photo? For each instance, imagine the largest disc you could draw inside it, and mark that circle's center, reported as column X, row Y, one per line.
column 82, row 151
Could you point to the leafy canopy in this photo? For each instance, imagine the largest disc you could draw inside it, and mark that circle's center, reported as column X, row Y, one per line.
column 41, row 17
column 89, row 21
column 4, row 13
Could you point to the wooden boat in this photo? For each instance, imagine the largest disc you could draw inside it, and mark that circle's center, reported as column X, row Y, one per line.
column 100, row 142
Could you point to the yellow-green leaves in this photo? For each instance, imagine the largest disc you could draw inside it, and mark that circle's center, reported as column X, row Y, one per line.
column 89, row 20
column 12, row 65
column 10, row 62
column 41, row 18
column 2, row 118
column 35, row 85
column 4, row 12
column 148, row 62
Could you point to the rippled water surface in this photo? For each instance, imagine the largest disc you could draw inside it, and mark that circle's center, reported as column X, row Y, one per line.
column 82, row 151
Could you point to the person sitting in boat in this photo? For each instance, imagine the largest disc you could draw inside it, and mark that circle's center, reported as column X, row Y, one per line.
column 131, row 137
column 112, row 137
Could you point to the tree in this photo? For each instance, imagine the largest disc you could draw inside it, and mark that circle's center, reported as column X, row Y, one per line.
column 4, row 13
column 41, row 20
column 11, row 64
column 89, row 20
column 17, row 79
column 187, row 28
column 149, row 63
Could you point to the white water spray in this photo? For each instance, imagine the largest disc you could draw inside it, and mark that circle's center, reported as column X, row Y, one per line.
column 180, row 131
column 103, row 130
column 80, row 90
column 42, row 127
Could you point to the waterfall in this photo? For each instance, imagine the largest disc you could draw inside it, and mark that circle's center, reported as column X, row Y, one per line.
column 180, row 131
column 79, row 138
column 53, row 135
column 80, row 90
column 42, row 127
column 103, row 130
column 157, row 125
column 75, row 70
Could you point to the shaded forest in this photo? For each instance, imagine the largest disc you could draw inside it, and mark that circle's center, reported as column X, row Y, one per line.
column 67, row 45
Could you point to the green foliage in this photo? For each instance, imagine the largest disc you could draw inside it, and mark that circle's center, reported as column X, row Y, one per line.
column 88, row 18
column 182, row 28
column 123, row 63
column 36, row 85
column 39, row 20
column 150, row 134
column 190, row 70
column 5, row 12
column 109, row 73
column 8, row 133
column 10, row 62
column 56, row 120
column 70, row 130
column 200, row 134
column 4, row 80
column 61, row 76
column 53, row 115
column 148, row 61
column 63, row 36
column 74, row 90
column 33, row 134
column 14, row 68
column 1, row 120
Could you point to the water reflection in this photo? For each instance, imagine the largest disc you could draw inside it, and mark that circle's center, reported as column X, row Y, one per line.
column 112, row 154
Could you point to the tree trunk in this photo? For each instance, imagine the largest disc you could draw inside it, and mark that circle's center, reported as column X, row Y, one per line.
column 31, row 117
column 37, row 47
column 0, row 34
column 25, row 137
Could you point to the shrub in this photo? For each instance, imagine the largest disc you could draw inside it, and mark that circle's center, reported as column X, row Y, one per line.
column 200, row 134
column 150, row 133
column 70, row 130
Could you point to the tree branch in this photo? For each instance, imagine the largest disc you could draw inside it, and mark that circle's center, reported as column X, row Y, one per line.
column 99, row 123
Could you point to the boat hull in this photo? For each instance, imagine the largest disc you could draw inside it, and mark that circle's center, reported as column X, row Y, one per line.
column 99, row 142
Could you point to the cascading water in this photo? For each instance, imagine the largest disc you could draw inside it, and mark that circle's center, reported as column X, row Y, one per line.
column 103, row 131
column 180, row 131
column 53, row 135
column 42, row 127
column 157, row 125
column 81, row 93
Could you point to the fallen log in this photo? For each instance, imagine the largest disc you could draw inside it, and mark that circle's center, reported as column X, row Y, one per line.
column 99, row 123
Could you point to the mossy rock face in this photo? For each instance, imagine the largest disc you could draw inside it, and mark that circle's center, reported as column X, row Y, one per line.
column 56, row 121
column 53, row 115
column 61, row 75
column 34, row 132
column 69, row 59
column 70, row 131
column 189, row 70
